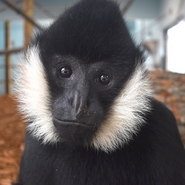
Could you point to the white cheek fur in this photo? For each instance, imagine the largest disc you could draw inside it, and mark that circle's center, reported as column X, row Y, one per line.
column 33, row 95
column 124, row 119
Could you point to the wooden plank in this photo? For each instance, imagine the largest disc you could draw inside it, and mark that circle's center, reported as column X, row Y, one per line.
column 11, row 51
column 28, row 9
column 8, row 58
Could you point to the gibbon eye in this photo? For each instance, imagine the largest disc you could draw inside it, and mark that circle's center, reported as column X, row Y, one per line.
column 65, row 72
column 104, row 79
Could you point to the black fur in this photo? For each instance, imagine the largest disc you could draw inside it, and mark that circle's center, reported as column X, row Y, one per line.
column 154, row 157
column 92, row 38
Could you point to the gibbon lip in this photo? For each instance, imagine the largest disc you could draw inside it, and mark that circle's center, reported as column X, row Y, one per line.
column 70, row 122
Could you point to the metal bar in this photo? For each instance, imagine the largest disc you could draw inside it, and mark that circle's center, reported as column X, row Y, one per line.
column 10, row 51
column 6, row 7
column 44, row 10
column 126, row 7
column 21, row 12
column 8, row 59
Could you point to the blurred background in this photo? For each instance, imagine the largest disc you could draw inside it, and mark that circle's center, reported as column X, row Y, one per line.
column 158, row 25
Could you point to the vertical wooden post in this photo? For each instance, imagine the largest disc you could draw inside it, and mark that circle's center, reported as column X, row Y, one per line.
column 8, row 58
column 28, row 9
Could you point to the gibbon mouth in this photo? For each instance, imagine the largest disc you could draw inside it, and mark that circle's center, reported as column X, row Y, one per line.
column 69, row 122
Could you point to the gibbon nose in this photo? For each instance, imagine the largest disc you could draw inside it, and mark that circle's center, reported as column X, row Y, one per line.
column 72, row 105
column 79, row 103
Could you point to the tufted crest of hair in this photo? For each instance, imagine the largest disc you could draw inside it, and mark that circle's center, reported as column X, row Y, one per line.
column 33, row 96
column 126, row 116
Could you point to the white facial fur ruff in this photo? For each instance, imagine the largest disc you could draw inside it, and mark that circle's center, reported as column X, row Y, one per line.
column 33, row 95
column 125, row 118
column 125, row 115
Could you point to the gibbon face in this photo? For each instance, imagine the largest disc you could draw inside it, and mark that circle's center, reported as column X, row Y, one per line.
column 82, row 80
